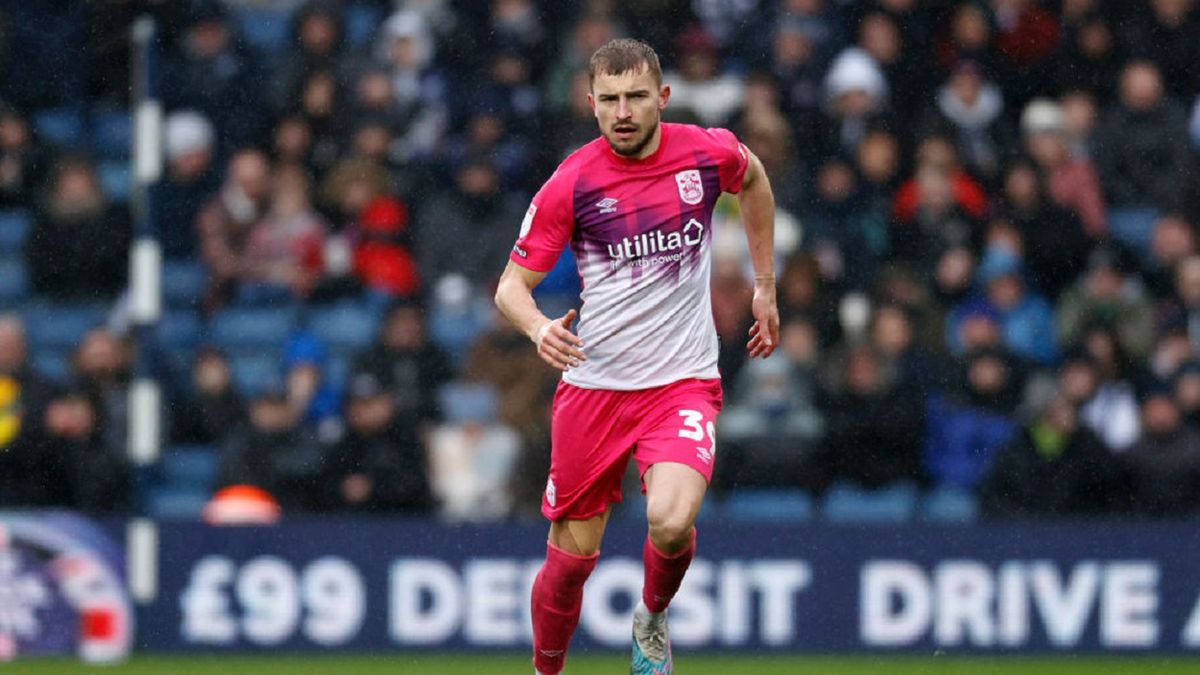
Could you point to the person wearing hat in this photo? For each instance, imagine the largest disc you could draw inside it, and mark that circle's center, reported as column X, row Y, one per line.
column 190, row 147
column 1052, row 467
column 1071, row 181
column 1109, row 292
column 1164, row 464
column 1026, row 319
column 379, row 465
column 969, row 108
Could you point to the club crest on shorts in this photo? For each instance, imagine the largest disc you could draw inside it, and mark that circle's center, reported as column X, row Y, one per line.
column 551, row 492
column 691, row 188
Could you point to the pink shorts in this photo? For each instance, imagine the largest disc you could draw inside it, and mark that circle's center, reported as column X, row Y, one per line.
column 594, row 431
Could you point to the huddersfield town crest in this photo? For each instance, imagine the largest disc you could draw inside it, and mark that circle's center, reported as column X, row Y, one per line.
column 691, row 189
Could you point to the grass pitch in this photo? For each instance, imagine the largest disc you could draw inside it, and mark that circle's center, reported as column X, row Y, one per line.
column 686, row 664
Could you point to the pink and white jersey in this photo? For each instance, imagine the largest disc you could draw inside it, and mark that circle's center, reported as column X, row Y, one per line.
column 641, row 231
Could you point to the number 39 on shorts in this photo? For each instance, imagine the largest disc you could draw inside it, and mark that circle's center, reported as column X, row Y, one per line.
column 694, row 428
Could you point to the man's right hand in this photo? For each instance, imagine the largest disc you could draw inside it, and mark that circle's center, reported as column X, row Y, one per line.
column 557, row 345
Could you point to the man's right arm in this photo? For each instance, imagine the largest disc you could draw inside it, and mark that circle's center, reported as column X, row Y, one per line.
column 556, row 344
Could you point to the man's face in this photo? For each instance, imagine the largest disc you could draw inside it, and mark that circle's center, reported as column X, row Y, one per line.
column 628, row 107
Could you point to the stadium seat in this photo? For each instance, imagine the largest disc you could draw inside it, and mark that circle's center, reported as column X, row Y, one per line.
column 189, row 466
column 116, row 179
column 112, row 133
column 769, row 506
column 244, row 329
column 15, row 225
column 845, row 503
column 60, row 126
column 55, row 365
column 177, row 504
column 949, row 505
column 337, row 370
column 345, row 327
column 253, row 373
column 179, row 330
column 61, row 327
column 361, row 21
column 264, row 29
column 183, row 283
column 14, row 281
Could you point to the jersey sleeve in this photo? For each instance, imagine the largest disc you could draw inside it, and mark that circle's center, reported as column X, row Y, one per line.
column 732, row 158
column 547, row 226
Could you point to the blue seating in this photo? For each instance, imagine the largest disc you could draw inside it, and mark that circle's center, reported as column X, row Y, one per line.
column 60, row 126
column 360, row 22
column 112, row 133
column 345, row 327
column 845, row 503
column 14, row 281
column 266, row 30
column 454, row 331
column 946, row 505
column 61, row 327
column 183, row 283
column 179, row 330
column 768, row 506
column 14, row 231
column 55, row 365
column 116, row 179
column 189, row 466
column 177, row 504
column 245, row 329
column 253, row 373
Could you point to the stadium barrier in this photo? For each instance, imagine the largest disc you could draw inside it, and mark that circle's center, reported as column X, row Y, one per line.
column 382, row 584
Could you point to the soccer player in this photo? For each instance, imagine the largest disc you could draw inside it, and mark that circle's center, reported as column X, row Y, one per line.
column 640, row 378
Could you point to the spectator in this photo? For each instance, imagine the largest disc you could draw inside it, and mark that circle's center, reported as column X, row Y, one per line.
column 313, row 400
column 382, row 257
column 282, row 255
column 905, row 67
column 1165, row 462
column 274, row 454
column 937, row 158
column 31, row 474
column 21, row 160
column 1026, row 319
column 1187, row 298
column 318, row 42
column 474, row 210
column 211, row 71
column 937, row 220
column 1071, row 181
column 771, row 430
column 1027, row 36
column 588, row 34
column 855, row 100
column 1108, row 293
column 797, row 65
column 1112, row 411
column 32, row 389
column 1053, row 240
column 102, row 367
column 1080, row 115
column 1140, row 154
column 406, row 363
column 893, row 336
column 1186, row 387
column 420, row 93
column 79, row 247
column 380, row 465
column 1166, row 35
column 213, row 409
column 842, row 227
column 969, row 109
column 224, row 224
column 97, row 474
column 969, row 424
column 472, row 455
column 874, row 428
column 1089, row 59
column 1053, row 467
column 190, row 147
column 698, row 84
column 1172, row 242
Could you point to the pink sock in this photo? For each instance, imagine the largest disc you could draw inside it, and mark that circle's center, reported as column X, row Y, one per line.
column 664, row 573
column 557, row 597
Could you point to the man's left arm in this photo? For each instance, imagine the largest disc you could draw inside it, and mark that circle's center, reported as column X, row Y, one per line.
column 757, row 205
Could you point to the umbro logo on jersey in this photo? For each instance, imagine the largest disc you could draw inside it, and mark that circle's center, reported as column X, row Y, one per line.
column 607, row 205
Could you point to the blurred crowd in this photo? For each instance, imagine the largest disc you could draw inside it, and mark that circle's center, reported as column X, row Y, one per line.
column 986, row 238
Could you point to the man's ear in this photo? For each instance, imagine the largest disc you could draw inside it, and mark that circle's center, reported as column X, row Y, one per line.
column 664, row 93
column 592, row 102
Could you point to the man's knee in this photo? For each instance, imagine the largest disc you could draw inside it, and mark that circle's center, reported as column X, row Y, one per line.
column 670, row 524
